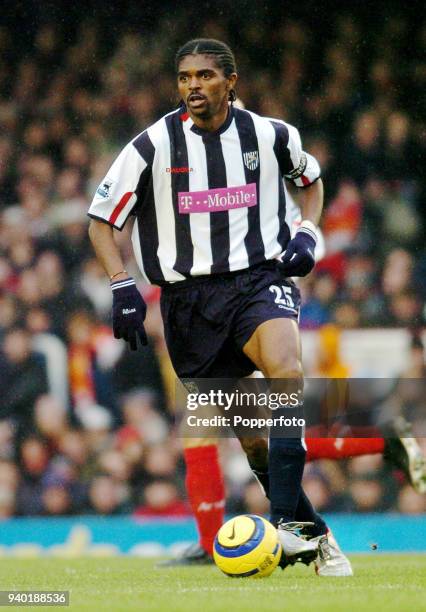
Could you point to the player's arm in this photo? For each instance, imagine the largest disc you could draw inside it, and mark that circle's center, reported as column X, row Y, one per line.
column 107, row 252
column 311, row 202
column 303, row 170
column 114, row 201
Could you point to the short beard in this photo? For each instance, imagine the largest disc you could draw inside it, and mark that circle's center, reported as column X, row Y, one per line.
column 204, row 113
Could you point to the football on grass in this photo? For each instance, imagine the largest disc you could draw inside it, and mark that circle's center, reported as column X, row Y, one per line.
column 247, row 546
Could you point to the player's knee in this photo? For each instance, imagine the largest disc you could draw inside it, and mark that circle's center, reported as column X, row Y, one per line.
column 286, row 367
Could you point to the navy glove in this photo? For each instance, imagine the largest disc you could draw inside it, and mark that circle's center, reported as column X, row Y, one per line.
column 128, row 312
column 299, row 258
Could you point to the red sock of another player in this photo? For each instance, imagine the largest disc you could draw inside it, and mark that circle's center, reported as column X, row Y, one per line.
column 206, row 491
column 341, row 448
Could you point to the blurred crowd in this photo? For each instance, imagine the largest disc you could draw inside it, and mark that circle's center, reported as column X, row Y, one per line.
column 86, row 425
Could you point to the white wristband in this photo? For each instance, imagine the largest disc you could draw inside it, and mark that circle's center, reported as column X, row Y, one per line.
column 121, row 284
column 309, row 228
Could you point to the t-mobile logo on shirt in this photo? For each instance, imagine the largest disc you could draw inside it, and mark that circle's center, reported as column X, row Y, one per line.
column 215, row 200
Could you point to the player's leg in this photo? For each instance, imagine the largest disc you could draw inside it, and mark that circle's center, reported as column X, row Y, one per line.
column 256, row 450
column 331, row 561
column 206, row 494
column 342, row 448
column 274, row 348
column 205, row 488
column 400, row 449
column 184, row 326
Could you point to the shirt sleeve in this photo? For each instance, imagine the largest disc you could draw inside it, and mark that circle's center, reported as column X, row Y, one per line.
column 118, row 192
column 296, row 165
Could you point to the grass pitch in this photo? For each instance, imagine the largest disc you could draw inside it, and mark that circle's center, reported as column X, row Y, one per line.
column 381, row 583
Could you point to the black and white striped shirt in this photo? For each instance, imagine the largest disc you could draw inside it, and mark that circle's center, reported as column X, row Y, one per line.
column 205, row 202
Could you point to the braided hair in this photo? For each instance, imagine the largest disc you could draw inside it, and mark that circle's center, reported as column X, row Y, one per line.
column 209, row 46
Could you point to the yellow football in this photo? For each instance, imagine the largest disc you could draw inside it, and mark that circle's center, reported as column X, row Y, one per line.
column 247, row 546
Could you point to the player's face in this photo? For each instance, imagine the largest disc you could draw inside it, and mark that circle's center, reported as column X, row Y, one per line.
column 203, row 86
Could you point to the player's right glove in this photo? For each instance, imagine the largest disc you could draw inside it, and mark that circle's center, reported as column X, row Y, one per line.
column 128, row 312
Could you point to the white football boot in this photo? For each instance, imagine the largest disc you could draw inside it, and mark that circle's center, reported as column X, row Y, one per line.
column 331, row 561
column 404, row 452
column 296, row 548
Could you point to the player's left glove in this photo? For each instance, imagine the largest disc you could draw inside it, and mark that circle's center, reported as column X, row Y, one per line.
column 299, row 257
column 128, row 312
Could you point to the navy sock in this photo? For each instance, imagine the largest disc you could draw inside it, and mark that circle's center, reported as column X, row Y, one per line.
column 306, row 512
column 286, row 463
column 304, row 509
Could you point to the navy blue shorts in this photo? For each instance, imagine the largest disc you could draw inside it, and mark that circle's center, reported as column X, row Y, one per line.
column 209, row 319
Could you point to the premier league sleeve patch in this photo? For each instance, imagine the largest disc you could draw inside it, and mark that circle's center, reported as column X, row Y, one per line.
column 104, row 188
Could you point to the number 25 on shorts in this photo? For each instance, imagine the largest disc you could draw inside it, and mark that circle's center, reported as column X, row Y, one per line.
column 283, row 296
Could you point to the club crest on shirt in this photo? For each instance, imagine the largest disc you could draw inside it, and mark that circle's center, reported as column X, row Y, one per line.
column 104, row 187
column 251, row 159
